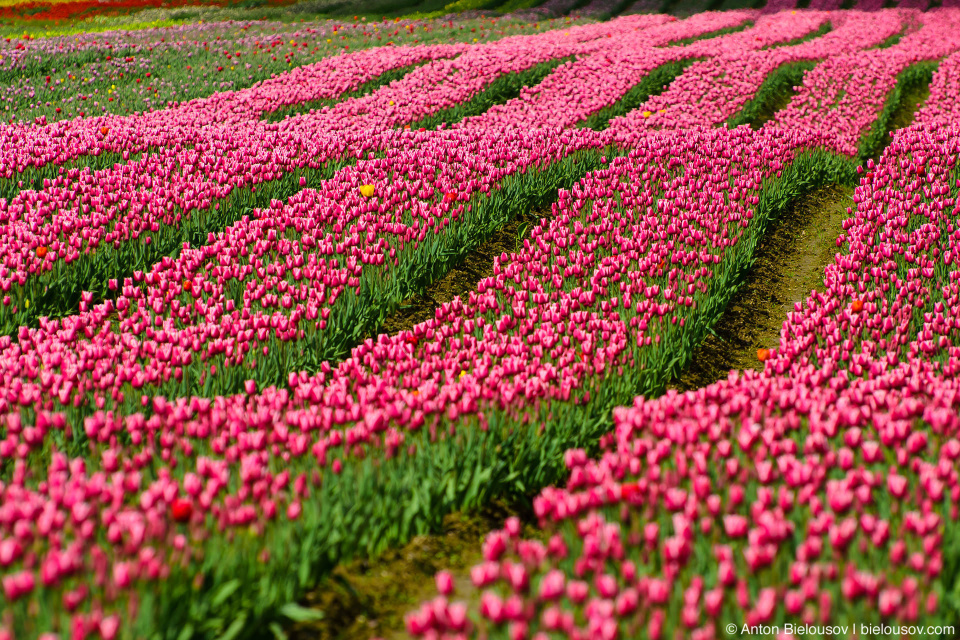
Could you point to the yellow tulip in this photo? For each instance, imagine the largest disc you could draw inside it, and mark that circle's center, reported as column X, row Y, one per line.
column 647, row 114
column 367, row 190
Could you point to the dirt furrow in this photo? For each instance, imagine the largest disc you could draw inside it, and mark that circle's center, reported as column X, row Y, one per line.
column 789, row 264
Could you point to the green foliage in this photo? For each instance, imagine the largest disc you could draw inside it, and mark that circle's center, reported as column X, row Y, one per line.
column 367, row 87
column 518, row 5
column 471, row 5
column 506, row 87
column 892, row 40
column 910, row 79
column 713, row 34
column 773, row 95
column 651, row 85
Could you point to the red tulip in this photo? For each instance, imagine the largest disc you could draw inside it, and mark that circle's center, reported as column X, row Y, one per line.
column 181, row 510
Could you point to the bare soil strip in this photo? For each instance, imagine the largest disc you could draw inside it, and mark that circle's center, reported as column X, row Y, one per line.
column 369, row 598
column 789, row 264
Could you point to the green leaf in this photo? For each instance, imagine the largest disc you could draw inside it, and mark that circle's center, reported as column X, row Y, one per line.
column 277, row 631
column 234, row 630
column 225, row 592
column 186, row 633
column 298, row 613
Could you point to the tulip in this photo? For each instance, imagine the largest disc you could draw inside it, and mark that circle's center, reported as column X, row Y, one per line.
column 444, row 582
column 181, row 510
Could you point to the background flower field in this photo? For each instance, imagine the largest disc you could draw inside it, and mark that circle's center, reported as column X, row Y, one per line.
column 478, row 319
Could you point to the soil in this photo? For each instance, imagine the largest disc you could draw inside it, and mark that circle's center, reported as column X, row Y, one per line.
column 462, row 278
column 369, row 598
column 789, row 265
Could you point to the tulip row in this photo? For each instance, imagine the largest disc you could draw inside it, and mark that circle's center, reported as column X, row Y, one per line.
column 122, row 73
column 820, row 493
column 940, row 105
column 506, row 87
column 57, row 224
column 653, row 84
column 846, row 93
column 302, row 106
column 615, row 72
column 719, row 32
column 897, row 267
column 53, row 286
column 411, row 426
column 717, row 89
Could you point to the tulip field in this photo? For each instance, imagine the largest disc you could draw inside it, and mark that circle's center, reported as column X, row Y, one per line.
column 207, row 229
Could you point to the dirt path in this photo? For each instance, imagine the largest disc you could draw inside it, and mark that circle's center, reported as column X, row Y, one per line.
column 789, row 264
column 368, row 598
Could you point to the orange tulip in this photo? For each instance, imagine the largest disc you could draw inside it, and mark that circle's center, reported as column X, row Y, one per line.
column 763, row 354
